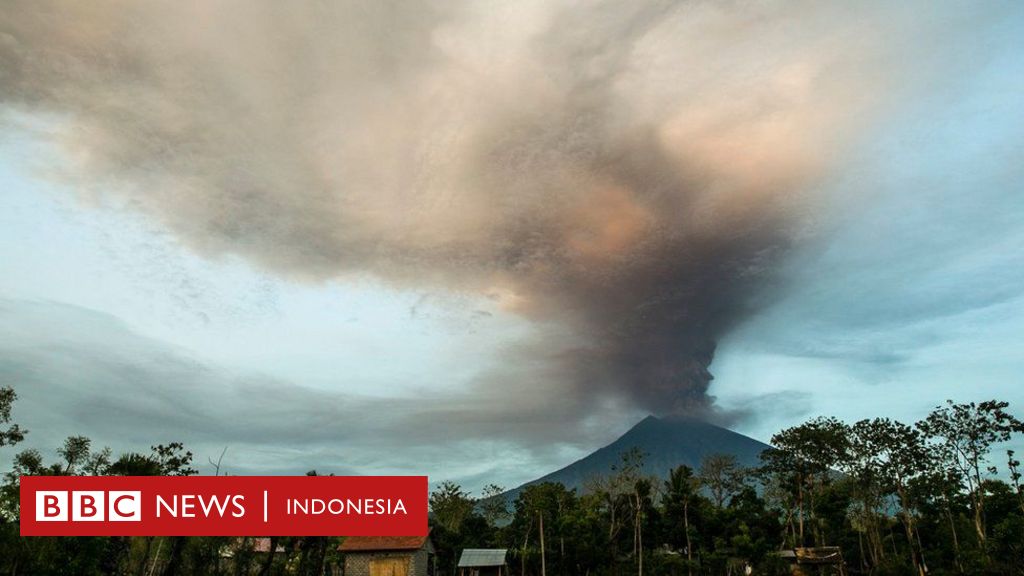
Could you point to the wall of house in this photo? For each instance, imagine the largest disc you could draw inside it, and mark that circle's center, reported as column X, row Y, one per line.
column 358, row 563
column 419, row 563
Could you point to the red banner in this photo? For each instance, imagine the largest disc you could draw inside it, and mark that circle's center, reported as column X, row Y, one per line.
column 223, row 505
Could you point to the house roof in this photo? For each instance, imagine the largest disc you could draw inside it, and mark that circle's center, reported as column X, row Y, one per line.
column 375, row 543
column 819, row 555
column 473, row 557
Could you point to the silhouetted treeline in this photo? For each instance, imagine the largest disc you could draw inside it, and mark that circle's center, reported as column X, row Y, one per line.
column 936, row 497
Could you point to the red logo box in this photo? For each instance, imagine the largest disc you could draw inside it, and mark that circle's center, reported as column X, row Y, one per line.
column 223, row 506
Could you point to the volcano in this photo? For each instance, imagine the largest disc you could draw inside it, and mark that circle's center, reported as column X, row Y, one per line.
column 666, row 442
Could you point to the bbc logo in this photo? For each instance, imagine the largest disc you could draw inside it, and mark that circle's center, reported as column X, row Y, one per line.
column 88, row 506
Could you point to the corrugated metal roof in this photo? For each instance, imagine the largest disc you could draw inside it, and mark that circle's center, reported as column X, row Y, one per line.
column 374, row 543
column 473, row 557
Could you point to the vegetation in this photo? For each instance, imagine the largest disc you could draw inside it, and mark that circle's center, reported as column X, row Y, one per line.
column 928, row 498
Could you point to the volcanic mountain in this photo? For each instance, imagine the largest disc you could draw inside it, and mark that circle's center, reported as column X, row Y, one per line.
column 666, row 443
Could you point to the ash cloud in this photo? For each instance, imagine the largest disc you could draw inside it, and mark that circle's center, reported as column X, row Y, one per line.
column 626, row 175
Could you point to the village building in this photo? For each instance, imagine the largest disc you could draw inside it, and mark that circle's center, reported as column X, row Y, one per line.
column 483, row 562
column 389, row 556
column 820, row 561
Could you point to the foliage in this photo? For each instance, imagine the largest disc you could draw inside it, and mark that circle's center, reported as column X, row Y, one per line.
column 450, row 506
column 13, row 434
column 723, row 477
column 895, row 498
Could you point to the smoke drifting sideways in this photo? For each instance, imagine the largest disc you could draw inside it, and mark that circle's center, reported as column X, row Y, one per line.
column 627, row 175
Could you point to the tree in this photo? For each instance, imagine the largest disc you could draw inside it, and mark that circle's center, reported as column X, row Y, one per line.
column 723, row 476
column 861, row 467
column 805, row 458
column 607, row 495
column 493, row 504
column 134, row 464
column 9, row 437
column 173, row 459
column 894, row 454
column 629, row 480
column 879, row 487
column 13, row 434
column 1015, row 477
column 544, row 514
column 964, row 435
column 680, row 495
column 450, row 505
column 74, row 452
column 26, row 463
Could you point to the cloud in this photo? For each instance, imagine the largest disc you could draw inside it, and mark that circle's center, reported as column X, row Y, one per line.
column 629, row 176
column 77, row 371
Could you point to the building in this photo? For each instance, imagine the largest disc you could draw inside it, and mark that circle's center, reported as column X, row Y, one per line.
column 389, row 556
column 820, row 561
column 482, row 562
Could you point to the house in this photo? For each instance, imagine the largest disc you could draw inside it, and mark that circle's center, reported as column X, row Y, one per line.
column 482, row 562
column 823, row 560
column 389, row 556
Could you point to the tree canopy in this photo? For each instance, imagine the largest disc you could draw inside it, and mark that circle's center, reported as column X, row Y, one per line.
column 931, row 497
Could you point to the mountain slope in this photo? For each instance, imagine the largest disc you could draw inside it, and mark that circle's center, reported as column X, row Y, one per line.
column 666, row 442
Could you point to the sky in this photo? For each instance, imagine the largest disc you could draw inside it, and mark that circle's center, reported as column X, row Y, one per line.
column 478, row 241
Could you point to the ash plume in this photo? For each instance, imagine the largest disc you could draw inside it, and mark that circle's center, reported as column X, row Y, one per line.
column 627, row 175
